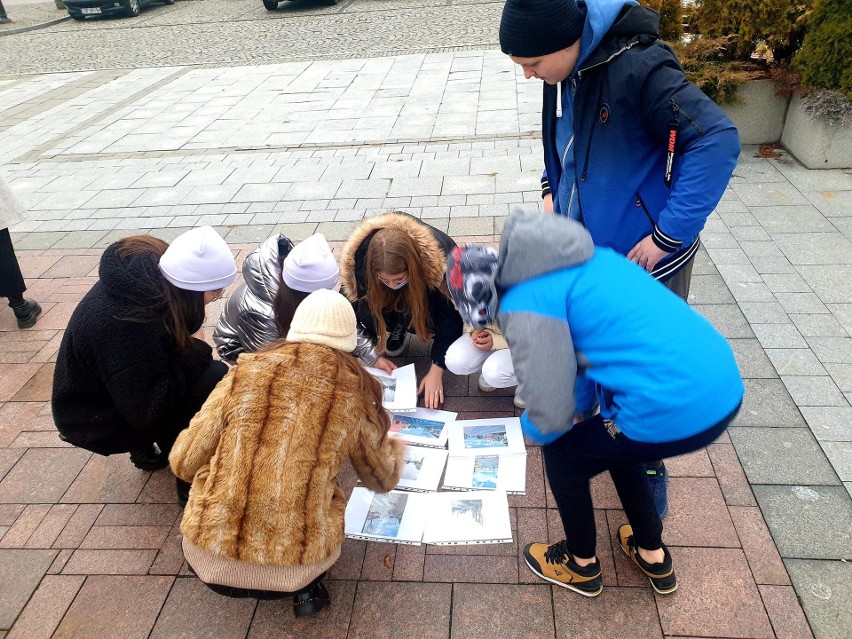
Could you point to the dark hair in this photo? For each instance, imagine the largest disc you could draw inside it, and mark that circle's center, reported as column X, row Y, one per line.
column 181, row 311
column 284, row 307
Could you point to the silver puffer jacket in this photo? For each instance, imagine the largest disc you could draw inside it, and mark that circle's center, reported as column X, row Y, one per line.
column 248, row 320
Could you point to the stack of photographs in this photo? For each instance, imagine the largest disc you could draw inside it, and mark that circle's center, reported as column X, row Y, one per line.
column 422, row 427
column 486, row 454
column 399, row 389
column 396, row 516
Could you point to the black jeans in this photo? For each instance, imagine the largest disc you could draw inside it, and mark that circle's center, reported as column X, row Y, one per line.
column 590, row 448
column 11, row 280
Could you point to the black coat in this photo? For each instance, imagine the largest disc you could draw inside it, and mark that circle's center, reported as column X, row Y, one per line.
column 118, row 383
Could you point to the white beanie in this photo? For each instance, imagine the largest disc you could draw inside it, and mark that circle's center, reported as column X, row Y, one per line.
column 199, row 260
column 310, row 266
column 324, row 317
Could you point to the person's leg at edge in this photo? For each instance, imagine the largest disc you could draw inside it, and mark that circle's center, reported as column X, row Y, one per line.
column 638, row 503
column 12, row 285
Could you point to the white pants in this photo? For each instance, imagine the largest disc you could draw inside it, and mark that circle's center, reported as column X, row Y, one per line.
column 464, row 358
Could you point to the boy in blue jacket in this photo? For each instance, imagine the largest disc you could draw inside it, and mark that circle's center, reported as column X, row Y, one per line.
column 632, row 150
column 587, row 328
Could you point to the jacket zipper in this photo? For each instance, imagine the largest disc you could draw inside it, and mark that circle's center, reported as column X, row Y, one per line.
column 626, row 47
column 641, row 202
column 677, row 109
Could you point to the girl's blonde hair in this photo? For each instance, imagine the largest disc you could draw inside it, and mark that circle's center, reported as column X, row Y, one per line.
column 393, row 251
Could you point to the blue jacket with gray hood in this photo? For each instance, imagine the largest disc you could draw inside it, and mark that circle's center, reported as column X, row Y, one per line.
column 606, row 132
column 586, row 326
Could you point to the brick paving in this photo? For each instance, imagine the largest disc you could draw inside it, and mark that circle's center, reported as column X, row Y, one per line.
column 89, row 546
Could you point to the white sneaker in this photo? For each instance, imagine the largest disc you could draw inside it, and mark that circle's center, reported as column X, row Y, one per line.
column 485, row 388
column 519, row 403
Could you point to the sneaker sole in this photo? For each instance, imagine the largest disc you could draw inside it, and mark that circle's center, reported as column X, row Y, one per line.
column 651, row 581
column 585, row 593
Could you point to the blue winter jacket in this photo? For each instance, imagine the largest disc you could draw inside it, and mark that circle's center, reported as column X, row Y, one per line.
column 606, row 156
column 586, row 326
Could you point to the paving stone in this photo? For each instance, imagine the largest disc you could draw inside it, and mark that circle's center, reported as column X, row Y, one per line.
column 801, row 303
column 110, row 479
column 42, row 475
column 698, row 515
column 709, row 289
column 795, row 361
column 832, row 350
column 729, row 472
column 814, row 391
column 408, row 563
column 38, row 387
column 465, row 568
column 627, row 574
column 373, row 600
column 764, row 313
column 808, row 249
column 378, row 562
column 128, row 537
column 723, row 602
column 8, row 458
column 782, row 456
column 500, row 611
column 808, row 522
column 578, row 617
column 14, row 377
column 752, row 360
column 761, row 553
column 825, row 590
column 139, row 514
column 830, row 423
column 840, row 456
column 78, row 526
column 193, row 610
column 59, row 563
column 695, row 464
column 778, row 336
column 535, row 497
column 351, row 561
column 109, row 562
column 9, row 513
column 272, row 620
column 51, row 526
column 25, row 525
column 119, row 607
column 47, row 606
column 786, row 614
column 727, row 318
column 20, row 573
column 832, row 285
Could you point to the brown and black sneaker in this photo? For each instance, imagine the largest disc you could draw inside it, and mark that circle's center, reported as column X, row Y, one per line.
column 555, row 564
column 661, row 575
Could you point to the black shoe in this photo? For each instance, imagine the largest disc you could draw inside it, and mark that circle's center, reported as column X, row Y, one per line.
column 27, row 313
column 149, row 459
column 182, row 491
column 397, row 341
column 311, row 600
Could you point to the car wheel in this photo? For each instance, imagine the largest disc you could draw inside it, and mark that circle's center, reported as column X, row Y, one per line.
column 132, row 8
column 271, row 5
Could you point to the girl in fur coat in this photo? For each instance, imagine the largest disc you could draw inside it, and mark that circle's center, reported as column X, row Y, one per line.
column 265, row 516
column 392, row 270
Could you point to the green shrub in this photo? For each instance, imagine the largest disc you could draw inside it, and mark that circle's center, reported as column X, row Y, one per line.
column 825, row 59
column 707, row 63
column 671, row 18
column 778, row 24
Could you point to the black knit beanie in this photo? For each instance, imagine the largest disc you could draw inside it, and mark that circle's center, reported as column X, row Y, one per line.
column 533, row 28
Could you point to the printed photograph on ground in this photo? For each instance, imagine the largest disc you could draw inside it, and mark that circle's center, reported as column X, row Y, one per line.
column 467, row 514
column 485, row 471
column 404, row 425
column 385, row 515
column 388, row 389
column 412, row 464
column 488, row 436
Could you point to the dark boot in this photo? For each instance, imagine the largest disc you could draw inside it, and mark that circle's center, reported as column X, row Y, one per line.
column 311, row 600
column 26, row 312
column 182, row 491
column 149, row 458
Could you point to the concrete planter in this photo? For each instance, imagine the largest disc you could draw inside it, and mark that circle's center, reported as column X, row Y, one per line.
column 759, row 114
column 814, row 142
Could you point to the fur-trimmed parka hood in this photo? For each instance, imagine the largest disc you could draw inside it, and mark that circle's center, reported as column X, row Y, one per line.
column 432, row 245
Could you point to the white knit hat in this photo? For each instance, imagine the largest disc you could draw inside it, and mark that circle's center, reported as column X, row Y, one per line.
column 199, row 260
column 310, row 266
column 324, row 317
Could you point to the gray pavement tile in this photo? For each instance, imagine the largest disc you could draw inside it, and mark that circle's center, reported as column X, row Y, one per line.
column 843, row 313
column 261, row 192
column 814, row 391
column 832, row 350
column 249, row 234
column 829, row 423
column 747, row 292
column 727, row 318
column 727, row 256
column 753, row 234
column 809, row 180
column 709, row 289
column 782, row 456
column 844, row 225
column 733, row 219
column 772, row 336
column 739, row 273
column 791, row 219
column 848, row 486
column 468, row 184
column 795, row 361
column 833, row 285
column 825, row 591
column 831, row 203
column 751, row 359
column 80, row 239
column 756, row 170
column 298, row 231
column 840, row 456
column 20, row 573
column 767, row 403
column 808, row 522
column 768, row 193
column 416, row 186
column 718, row 238
column 786, row 283
column 801, row 303
column 471, row 226
column 763, row 312
column 37, row 241
column 804, row 249
column 760, row 248
column 842, row 376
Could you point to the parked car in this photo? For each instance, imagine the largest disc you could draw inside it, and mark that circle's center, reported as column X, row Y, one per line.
column 79, row 9
column 272, row 5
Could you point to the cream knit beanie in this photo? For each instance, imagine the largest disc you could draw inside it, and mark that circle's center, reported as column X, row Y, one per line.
column 199, row 260
column 324, row 317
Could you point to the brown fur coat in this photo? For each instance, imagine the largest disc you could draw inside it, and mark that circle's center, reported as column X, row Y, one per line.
column 263, row 455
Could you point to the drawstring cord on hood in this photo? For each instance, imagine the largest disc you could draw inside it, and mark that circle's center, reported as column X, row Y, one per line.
column 558, row 99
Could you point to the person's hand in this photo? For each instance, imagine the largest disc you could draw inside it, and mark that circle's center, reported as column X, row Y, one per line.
column 482, row 339
column 646, row 254
column 432, row 387
column 384, row 364
column 547, row 203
